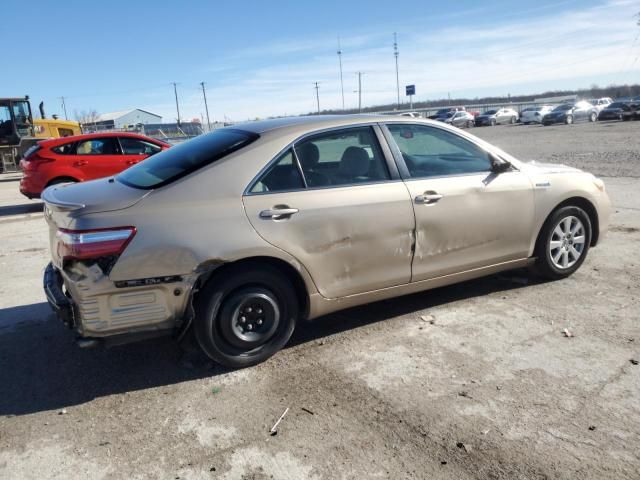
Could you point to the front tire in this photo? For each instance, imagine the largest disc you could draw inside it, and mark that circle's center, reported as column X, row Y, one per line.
column 563, row 243
column 593, row 117
column 493, row 122
column 569, row 120
column 513, row 120
column 245, row 315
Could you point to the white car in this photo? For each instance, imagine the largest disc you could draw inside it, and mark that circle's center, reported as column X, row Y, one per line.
column 600, row 103
column 534, row 114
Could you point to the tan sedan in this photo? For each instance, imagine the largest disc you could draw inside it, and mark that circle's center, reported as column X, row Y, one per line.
column 238, row 234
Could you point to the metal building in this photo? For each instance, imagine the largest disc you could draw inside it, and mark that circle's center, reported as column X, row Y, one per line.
column 125, row 119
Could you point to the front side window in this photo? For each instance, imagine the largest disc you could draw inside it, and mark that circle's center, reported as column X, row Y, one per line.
column 133, row 146
column 97, row 146
column 433, row 152
column 6, row 125
column 342, row 157
column 283, row 175
column 180, row 160
column 64, row 132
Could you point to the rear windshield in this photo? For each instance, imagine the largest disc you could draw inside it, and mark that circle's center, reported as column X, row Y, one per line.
column 490, row 112
column 169, row 165
column 563, row 108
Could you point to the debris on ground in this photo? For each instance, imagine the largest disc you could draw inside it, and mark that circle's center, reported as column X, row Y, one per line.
column 464, row 446
column 465, row 394
column 428, row 319
column 567, row 333
column 484, row 432
column 274, row 429
column 307, row 410
column 592, row 427
column 634, row 361
column 215, row 390
column 62, row 412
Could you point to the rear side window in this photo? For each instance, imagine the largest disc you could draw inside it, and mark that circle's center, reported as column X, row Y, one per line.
column 176, row 162
column 66, row 149
column 433, row 152
column 97, row 146
column 283, row 175
column 134, row 146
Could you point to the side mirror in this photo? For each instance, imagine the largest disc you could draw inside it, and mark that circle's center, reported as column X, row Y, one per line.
column 498, row 165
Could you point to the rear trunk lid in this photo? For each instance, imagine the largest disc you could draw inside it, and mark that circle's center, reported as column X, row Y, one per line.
column 64, row 203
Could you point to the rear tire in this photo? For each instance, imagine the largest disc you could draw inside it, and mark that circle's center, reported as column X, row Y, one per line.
column 245, row 315
column 493, row 122
column 593, row 117
column 569, row 120
column 513, row 120
column 563, row 243
column 469, row 124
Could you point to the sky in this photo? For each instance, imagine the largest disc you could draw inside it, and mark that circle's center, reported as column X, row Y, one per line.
column 261, row 58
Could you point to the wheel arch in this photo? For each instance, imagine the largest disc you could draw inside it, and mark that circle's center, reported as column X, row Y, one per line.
column 289, row 271
column 58, row 178
column 585, row 205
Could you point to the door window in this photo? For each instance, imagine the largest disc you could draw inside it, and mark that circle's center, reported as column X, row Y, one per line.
column 283, row 175
column 134, row 146
column 64, row 132
column 433, row 152
column 6, row 125
column 342, row 157
column 97, row 146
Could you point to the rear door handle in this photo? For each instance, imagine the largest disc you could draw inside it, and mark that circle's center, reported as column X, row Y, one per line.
column 278, row 213
column 428, row 198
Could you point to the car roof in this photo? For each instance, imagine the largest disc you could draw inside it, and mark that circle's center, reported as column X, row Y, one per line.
column 52, row 142
column 314, row 122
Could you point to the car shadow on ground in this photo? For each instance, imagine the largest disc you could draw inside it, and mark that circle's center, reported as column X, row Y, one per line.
column 21, row 209
column 43, row 369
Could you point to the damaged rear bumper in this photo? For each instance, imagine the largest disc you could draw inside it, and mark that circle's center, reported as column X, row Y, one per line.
column 96, row 307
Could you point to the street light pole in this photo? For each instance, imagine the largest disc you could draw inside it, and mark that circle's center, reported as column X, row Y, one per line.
column 359, row 92
column 206, row 107
column 395, row 54
column 175, row 91
column 340, row 62
column 317, row 96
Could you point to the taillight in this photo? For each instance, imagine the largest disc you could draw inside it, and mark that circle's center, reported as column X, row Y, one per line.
column 87, row 244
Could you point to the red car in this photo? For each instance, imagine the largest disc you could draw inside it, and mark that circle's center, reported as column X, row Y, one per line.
column 82, row 157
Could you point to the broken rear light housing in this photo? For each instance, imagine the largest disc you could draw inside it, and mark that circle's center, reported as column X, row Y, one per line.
column 92, row 244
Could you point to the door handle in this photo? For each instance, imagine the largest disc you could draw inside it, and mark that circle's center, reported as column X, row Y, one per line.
column 132, row 162
column 428, row 198
column 80, row 163
column 278, row 213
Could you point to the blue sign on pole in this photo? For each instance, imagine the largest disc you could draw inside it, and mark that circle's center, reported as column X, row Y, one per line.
column 410, row 89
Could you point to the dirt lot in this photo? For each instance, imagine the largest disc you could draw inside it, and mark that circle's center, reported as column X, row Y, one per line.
column 491, row 389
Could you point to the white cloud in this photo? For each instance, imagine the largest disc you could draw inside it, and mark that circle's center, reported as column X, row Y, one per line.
column 542, row 49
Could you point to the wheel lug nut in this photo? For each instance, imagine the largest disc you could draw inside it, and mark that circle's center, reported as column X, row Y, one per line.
column 258, row 310
column 243, row 319
column 249, row 327
column 248, row 309
column 259, row 322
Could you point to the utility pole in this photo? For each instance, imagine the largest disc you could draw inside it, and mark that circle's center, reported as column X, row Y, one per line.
column 206, row 107
column 359, row 91
column 317, row 96
column 340, row 62
column 64, row 107
column 395, row 54
column 175, row 91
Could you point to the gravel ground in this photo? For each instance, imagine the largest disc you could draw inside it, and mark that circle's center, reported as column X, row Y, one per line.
column 490, row 388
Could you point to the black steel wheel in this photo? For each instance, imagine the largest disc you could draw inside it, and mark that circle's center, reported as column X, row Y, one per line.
column 244, row 316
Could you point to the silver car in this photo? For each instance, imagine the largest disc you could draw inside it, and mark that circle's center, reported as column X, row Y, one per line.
column 237, row 235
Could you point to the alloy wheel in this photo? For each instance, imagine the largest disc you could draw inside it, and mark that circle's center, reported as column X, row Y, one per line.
column 567, row 242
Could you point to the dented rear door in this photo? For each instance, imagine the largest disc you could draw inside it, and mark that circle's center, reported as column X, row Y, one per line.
column 351, row 239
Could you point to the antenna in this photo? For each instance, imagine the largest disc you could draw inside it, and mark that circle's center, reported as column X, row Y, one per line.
column 340, row 62
column 395, row 54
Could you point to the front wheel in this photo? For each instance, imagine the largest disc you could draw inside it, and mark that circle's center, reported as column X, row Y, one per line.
column 246, row 316
column 513, row 120
column 493, row 122
column 469, row 124
column 563, row 243
column 569, row 120
column 593, row 117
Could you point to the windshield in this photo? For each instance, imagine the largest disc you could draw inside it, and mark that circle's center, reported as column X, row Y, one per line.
column 563, row 108
column 178, row 161
column 490, row 112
